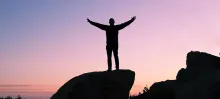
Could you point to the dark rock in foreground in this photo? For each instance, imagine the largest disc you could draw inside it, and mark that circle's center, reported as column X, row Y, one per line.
column 163, row 90
column 206, row 86
column 199, row 80
column 98, row 85
column 201, row 63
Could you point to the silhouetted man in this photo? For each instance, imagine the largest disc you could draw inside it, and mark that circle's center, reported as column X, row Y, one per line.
column 112, row 38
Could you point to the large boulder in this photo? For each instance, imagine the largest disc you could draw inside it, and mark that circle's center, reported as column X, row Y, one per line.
column 199, row 63
column 205, row 87
column 200, row 79
column 162, row 90
column 98, row 85
column 182, row 76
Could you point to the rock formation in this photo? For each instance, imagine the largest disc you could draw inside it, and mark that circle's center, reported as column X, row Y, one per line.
column 200, row 63
column 202, row 88
column 199, row 80
column 162, row 90
column 98, row 85
column 182, row 75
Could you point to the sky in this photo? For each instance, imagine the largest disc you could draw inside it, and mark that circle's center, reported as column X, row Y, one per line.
column 46, row 43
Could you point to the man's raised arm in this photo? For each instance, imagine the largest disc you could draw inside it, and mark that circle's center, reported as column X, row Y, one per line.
column 101, row 26
column 123, row 25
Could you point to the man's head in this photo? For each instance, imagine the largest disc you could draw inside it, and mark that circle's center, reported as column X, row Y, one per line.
column 111, row 21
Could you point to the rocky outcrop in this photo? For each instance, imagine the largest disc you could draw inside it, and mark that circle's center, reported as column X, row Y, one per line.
column 98, row 85
column 182, row 75
column 163, row 90
column 206, row 87
column 199, row 80
column 202, row 60
column 200, row 63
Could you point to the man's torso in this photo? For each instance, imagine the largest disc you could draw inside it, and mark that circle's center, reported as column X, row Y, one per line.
column 112, row 36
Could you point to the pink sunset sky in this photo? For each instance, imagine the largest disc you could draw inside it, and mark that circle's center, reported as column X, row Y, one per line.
column 46, row 43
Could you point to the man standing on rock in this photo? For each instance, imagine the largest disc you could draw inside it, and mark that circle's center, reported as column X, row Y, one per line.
column 112, row 38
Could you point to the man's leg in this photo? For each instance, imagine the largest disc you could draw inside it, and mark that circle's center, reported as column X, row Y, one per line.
column 116, row 59
column 109, row 54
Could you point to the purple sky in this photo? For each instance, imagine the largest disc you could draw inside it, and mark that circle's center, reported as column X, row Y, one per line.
column 49, row 42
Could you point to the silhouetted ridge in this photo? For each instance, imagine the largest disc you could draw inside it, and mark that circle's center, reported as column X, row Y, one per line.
column 182, row 75
column 98, row 85
column 198, row 60
column 199, row 80
column 198, row 63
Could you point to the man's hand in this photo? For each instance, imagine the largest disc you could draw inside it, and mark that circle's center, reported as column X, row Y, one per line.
column 133, row 18
column 88, row 20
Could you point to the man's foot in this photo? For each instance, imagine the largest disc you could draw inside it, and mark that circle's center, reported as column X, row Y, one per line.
column 109, row 70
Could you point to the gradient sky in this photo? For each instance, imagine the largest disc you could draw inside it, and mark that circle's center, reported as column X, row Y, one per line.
column 48, row 42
